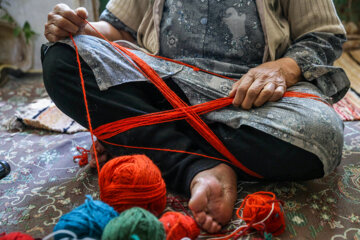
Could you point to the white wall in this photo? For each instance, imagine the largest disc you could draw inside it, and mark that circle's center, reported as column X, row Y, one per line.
column 35, row 12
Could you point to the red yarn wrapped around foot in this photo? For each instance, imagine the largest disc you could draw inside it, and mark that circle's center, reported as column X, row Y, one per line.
column 132, row 181
column 263, row 212
column 15, row 236
column 178, row 226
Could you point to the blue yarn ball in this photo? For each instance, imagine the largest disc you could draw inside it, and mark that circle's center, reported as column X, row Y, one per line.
column 87, row 220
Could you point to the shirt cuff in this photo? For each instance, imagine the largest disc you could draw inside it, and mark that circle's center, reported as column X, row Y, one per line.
column 107, row 16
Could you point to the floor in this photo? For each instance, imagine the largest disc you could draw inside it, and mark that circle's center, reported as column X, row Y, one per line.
column 45, row 183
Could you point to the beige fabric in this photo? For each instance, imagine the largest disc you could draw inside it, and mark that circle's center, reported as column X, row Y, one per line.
column 282, row 21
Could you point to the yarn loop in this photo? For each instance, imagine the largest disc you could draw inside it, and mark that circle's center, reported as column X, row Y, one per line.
column 263, row 212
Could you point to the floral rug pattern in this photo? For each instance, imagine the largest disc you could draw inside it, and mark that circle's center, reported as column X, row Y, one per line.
column 45, row 183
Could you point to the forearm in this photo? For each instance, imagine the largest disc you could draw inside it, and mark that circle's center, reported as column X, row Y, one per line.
column 108, row 31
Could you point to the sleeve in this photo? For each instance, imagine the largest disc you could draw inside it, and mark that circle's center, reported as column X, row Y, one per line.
column 317, row 36
column 315, row 54
column 129, row 12
column 107, row 16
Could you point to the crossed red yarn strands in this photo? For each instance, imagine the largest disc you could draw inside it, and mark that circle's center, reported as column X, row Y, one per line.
column 181, row 110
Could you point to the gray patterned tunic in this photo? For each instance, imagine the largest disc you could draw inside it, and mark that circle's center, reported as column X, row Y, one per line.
column 221, row 36
column 306, row 123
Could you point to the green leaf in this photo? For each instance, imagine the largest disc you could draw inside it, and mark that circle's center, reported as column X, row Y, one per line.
column 17, row 31
column 8, row 18
column 28, row 31
column 26, row 26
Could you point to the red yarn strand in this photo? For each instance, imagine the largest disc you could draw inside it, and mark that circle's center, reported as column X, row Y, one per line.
column 86, row 103
column 181, row 109
column 192, row 118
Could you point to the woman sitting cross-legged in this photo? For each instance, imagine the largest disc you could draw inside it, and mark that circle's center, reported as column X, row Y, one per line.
column 272, row 48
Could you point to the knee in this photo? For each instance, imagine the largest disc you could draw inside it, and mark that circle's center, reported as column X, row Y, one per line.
column 326, row 138
column 56, row 61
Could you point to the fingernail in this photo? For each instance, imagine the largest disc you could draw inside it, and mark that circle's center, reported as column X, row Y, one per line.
column 281, row 88
column 271, row 85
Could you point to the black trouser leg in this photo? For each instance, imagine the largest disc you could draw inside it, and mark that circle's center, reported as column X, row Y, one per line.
column 262, row 153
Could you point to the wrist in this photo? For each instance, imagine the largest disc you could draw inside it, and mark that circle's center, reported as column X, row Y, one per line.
column 291, row 70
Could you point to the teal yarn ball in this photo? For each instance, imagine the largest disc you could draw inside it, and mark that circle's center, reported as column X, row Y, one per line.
column 87, row 220
column 134, row 223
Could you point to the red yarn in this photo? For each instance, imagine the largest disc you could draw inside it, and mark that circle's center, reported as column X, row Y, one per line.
column 183, row 111
column 132, row 181
column 15, row 236
column 83, row 157
column 178, row 226
column 262, row 211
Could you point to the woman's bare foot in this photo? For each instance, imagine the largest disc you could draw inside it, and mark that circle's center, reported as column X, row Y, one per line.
column 213, row 196
column 102, row 154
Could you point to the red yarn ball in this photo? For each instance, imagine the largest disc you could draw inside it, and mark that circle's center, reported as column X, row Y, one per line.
column 132, row 181
column 257, row 207
column 15, row 236
column 178, row 226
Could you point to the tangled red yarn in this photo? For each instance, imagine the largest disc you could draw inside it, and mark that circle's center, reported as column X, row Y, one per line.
column 263, row 212
column 15, row 236
column 132, row 181
column 178, row 226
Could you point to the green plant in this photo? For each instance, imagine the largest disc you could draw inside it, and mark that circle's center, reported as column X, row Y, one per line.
column 26, row 29
column 348, row 10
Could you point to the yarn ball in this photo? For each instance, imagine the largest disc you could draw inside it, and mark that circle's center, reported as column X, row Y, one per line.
column 16, row 236
column 132, row 181
column 264, row 212
column 87, row 220
column 134, row 223
column 178, row 226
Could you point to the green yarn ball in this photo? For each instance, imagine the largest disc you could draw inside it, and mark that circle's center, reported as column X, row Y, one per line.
column 134, row 222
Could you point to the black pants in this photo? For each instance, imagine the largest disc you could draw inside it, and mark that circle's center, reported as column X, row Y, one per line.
column 270, row 157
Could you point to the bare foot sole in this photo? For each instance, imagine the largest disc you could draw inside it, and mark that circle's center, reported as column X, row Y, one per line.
column 102, row 154
column 213, row 196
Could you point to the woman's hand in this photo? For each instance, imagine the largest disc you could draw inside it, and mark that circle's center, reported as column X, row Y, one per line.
column 265, row 83
column 63, row 20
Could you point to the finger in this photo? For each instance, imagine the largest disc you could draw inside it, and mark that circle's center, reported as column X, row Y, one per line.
column 82, row 12
column 278, row 94
column 56, row 31
column 64, row 24
column 51, row 37
column 265, row 94
column 66, row 12
column 242, row 89
column 252, row 93
column 233, row 88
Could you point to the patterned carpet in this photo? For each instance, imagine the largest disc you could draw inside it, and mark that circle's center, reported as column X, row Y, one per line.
column 349, row 107
column 45, row 183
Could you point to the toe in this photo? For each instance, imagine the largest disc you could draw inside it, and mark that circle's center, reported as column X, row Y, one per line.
column 92, row 163
column 99, row 147
column 207, row 224
column 199, row 200
column 200, row 218
column 210, row 225
column 215, row 227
